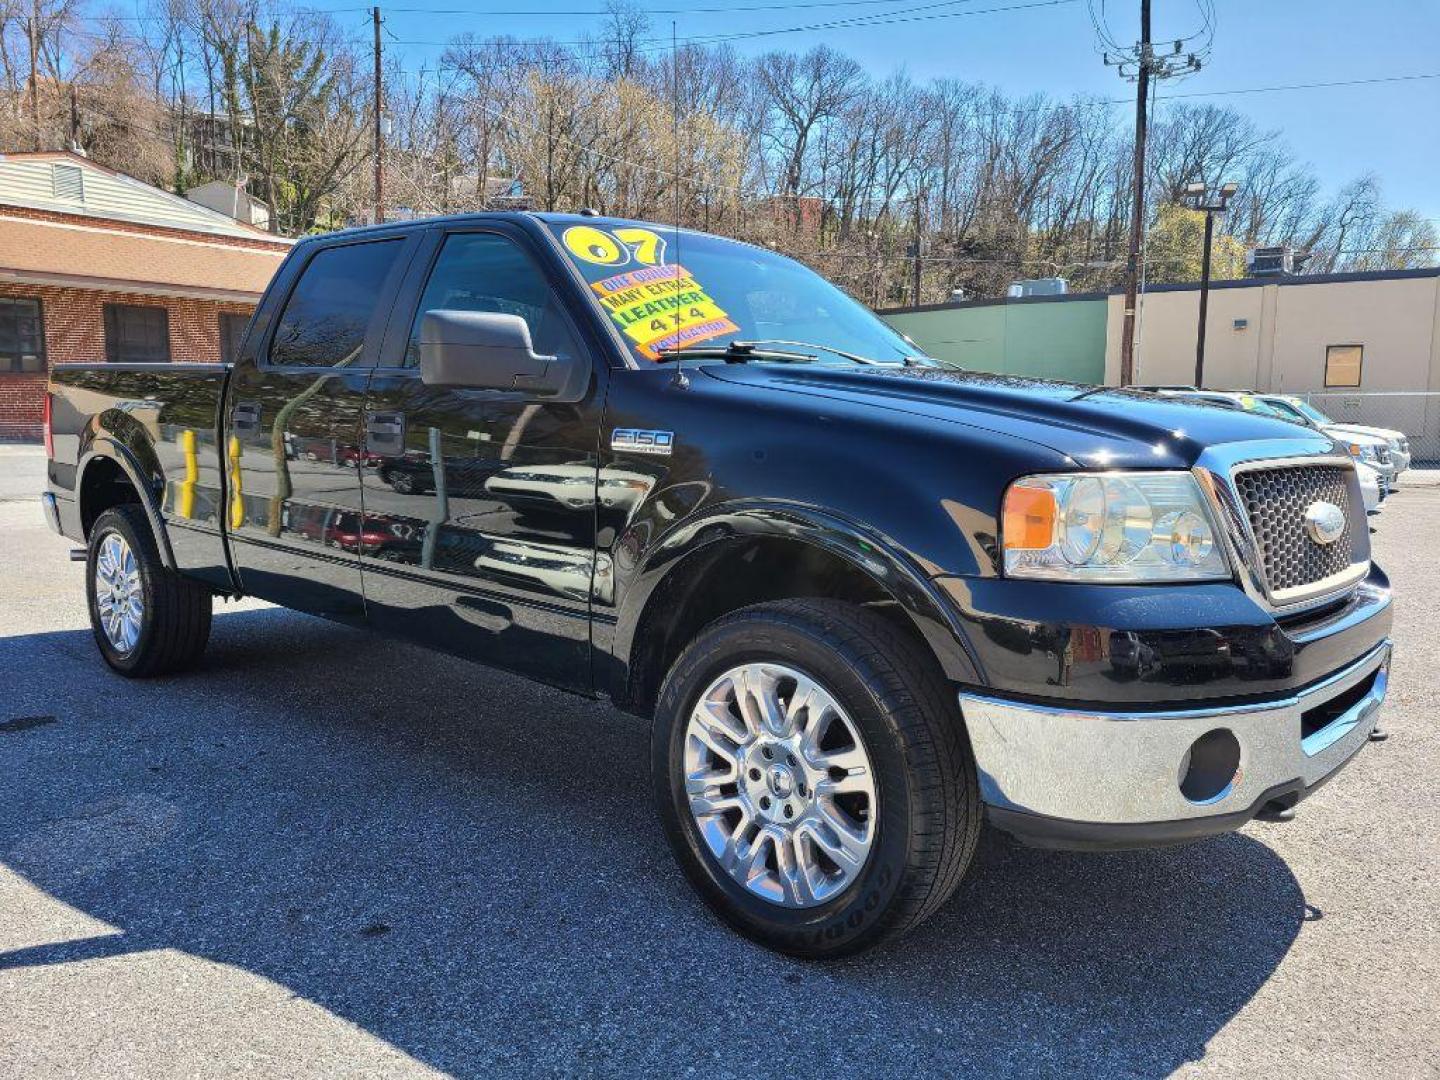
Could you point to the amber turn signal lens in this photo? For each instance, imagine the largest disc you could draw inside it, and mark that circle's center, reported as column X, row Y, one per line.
column 1028, row 522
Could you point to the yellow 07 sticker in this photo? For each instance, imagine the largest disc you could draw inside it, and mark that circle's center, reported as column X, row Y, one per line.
column 594, row 246
column 603, row 248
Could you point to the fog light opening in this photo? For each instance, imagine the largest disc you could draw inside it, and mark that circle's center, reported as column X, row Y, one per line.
column 1210, row 767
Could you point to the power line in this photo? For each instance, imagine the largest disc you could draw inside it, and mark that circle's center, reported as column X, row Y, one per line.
column 862, row 21
column 532, row 13
column 853, row 22
column 1303, row 86
column 650, row 10
column 1094, row 103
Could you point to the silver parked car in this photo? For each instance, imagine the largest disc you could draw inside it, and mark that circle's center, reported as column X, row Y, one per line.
column 1376, row 451
column 1307, row 414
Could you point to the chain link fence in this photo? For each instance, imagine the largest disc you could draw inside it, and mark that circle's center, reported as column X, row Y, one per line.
column 1416, row 413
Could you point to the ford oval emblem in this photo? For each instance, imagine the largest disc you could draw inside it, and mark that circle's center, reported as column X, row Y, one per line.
column 1324, row 522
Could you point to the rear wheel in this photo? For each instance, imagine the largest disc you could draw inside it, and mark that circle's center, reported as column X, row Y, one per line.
column 813, row 775
column 402, row 482
column 147, row 620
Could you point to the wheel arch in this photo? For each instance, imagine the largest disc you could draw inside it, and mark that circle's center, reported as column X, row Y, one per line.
column 747, row 554
column 110, row 474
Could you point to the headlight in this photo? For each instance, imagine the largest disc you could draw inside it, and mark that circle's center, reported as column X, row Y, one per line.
column 1362, row 451
column 1111, row 527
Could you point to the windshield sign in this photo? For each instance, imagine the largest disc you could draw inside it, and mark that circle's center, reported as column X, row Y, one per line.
column 1255, row 405
column 672, row 290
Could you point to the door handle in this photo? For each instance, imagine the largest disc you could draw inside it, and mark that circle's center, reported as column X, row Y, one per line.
column 385, row 423
column 385, row 432
column 245, row 417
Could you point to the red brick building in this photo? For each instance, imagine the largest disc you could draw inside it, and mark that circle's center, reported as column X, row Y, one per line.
column 95, row 265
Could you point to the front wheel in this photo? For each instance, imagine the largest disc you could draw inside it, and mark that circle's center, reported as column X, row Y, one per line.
column 147, row 620
column 812, row 773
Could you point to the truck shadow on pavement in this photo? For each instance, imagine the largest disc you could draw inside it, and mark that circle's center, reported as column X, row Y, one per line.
column 468, row 867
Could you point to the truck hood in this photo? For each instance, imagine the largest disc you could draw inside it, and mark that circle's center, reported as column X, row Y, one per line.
column 1384, row 434
column 1095, row 427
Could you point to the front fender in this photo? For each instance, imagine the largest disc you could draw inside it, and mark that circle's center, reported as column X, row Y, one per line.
column 684, row 548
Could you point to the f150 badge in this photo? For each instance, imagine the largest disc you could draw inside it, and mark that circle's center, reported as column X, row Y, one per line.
column 640, row 441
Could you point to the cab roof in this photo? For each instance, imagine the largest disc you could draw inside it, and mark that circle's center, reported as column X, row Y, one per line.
column 544, row 217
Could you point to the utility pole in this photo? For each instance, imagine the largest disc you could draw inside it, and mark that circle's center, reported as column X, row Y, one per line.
column 379, row 137
column 1197, row 198
column 1142, row 64
column 35, row 75
column 1137, row 199
column 915, row 268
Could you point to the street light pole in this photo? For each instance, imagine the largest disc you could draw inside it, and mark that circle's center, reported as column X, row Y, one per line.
column 1197, row 197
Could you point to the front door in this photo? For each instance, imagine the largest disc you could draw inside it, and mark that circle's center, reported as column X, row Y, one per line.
column 485, row 499
column 294, row 444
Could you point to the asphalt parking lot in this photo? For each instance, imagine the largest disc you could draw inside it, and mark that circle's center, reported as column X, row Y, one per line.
column 327, row 854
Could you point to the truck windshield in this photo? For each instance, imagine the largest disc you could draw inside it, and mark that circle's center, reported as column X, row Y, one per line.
column 1313, row 413
column 667, row 291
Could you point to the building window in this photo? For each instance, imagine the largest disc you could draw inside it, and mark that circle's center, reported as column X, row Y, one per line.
column 136, row 335
column 232, row 333
column 22, row 336
column 1342, row 364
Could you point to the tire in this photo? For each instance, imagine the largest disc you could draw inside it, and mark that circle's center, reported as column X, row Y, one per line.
column 403, row 483
column 172, row 622
column 905, row 719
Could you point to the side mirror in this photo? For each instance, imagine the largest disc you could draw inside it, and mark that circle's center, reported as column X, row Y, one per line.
column 486, row 350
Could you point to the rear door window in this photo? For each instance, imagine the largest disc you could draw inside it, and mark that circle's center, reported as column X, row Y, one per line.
column 330, row 309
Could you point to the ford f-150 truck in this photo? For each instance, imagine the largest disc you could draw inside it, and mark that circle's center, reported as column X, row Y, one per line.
column 866, row 599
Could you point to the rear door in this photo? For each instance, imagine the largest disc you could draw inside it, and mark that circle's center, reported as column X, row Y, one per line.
column 486, row 499
column 294, row 443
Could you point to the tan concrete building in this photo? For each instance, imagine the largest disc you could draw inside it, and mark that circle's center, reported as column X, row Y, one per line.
column 1367, row 345
column 1285, row 334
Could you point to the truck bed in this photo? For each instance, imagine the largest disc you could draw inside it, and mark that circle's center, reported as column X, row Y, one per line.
column 156, row 424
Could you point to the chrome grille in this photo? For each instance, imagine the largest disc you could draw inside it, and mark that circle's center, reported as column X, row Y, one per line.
column 1275, row 501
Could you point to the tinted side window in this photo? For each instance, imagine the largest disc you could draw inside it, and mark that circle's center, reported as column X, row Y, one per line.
column 324, row 321
column 486, row 272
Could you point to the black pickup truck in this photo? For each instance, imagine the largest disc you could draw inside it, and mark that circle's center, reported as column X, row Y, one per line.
column 865, row 599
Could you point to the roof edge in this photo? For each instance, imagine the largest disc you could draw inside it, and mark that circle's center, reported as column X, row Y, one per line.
column 1184, row 286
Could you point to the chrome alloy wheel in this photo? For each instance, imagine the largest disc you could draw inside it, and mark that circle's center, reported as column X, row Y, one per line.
column 119, row 597
column 780, row 784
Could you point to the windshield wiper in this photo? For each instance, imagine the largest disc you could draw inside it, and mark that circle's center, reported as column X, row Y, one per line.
column 869, row 361
column 737, row 352
column 853, row 357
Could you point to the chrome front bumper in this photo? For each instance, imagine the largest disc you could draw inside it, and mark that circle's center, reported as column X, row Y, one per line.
column 1055, row 775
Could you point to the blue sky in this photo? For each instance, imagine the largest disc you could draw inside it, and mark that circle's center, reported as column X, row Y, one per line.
column 1391, row 129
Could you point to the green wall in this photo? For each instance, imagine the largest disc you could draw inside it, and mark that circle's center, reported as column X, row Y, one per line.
column 1057, row 339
